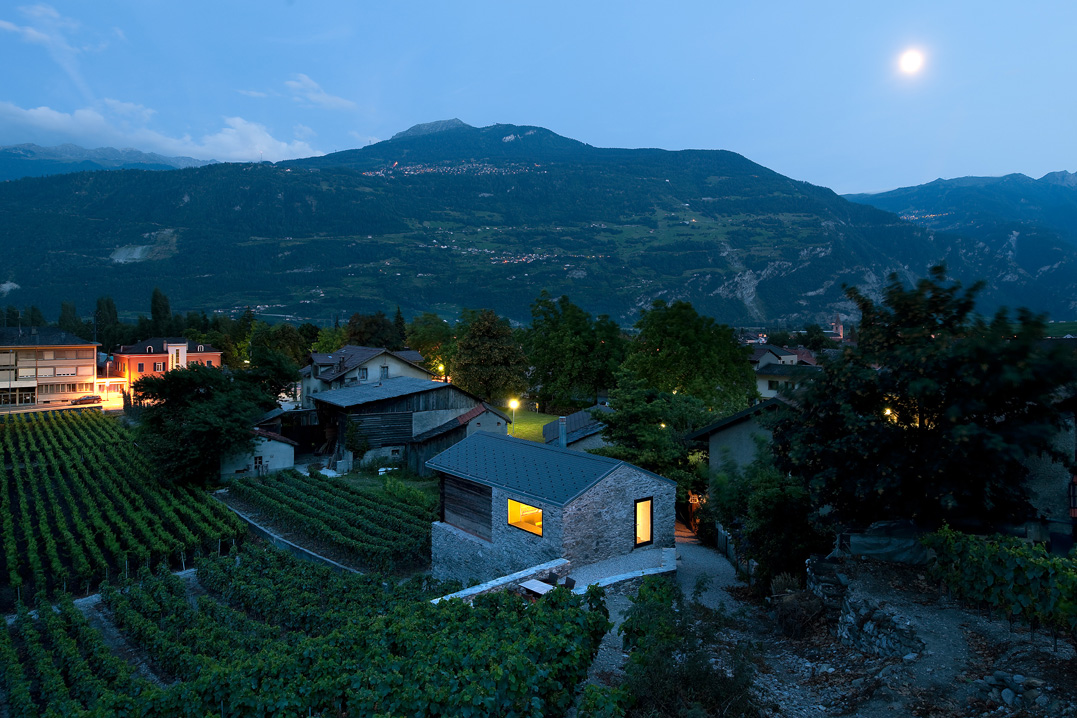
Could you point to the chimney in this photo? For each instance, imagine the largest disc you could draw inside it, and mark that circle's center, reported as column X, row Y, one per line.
column 562, row 432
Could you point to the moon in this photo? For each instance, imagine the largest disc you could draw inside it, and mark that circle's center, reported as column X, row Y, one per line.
column 911, row 61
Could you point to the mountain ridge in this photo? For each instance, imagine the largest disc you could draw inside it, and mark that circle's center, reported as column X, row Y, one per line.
column 31, row 160
column 469, row 217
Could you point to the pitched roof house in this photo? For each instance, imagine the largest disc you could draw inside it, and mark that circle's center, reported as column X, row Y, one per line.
column 508, row 504
column 351, row 365
column 735, row 435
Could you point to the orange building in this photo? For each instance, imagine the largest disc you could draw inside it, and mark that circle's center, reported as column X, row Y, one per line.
column 153, row 357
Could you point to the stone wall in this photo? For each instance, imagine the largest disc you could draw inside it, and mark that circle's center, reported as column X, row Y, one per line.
column 601, row 523
column 861, row 623
column 866, row 626
column 456, row 554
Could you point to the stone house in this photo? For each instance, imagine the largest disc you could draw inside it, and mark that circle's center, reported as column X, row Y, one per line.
column 582, row 430
column 352, row 365
column 400, row 420
column 508, row 504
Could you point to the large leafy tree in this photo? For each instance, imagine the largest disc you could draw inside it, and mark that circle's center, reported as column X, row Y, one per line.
column 648, row 427
column 571, row 354
column 430, row 335
column 195, row 415
column 488, row 361
column 679, row 350
column 931, row 415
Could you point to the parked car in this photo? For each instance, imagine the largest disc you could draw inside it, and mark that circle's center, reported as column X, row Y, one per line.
column 88, row 399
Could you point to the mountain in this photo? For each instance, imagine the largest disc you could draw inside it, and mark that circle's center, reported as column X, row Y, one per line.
column 981, row 206
column 445, row 216
column 28, row 160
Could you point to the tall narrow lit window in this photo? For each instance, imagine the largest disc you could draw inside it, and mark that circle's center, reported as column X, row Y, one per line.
column 644, row 517
column 528, row 518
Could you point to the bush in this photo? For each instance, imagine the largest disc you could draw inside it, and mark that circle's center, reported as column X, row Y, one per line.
column 769, row 515
column 672, row 669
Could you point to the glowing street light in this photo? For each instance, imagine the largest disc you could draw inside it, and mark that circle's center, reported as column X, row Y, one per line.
column 514, row 405
column 441, row 370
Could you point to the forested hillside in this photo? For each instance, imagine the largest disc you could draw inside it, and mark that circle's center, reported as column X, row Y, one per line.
column 454, row 216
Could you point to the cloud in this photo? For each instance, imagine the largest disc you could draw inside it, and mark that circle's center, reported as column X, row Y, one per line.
column 129, row 110
column 304, row 88
column 118, row 124
column 302, row 132
column 49, row 29
column 253, row 93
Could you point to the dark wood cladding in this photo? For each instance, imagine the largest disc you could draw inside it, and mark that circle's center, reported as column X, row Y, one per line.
column 447, row 397
column 466, row 505
column 384, row 429
column 418, row 454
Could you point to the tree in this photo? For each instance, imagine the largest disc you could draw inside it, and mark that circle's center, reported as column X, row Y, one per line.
column 767, row 511
column 329, row 340
column 649, row 428
column 678, row 350
column 560, row 345
column 488, row 361
column 400, row 328
column 70, row 321
column 430, row 335
column 160, row 313
column 780, row 338
column 816, row 339
column 371, row 330
column 195, row 415
column 931, row 415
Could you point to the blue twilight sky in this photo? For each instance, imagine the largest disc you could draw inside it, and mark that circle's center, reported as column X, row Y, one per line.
column 810, row 89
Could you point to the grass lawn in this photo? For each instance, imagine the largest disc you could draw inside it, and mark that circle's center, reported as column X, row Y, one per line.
column 528, row 424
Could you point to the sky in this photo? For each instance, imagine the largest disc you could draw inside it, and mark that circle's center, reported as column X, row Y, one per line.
column 812, row 90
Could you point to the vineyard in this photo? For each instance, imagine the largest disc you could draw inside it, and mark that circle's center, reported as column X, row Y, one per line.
column 1011, row 578
column 80, row 504
column 277, row 637
column 379, row 529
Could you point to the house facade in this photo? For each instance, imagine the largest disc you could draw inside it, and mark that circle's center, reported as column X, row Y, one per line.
column 353, row 365
column 735, row 436
column 271, row 452
column 153, row 357
column 42, row 367
column 508, row 504
column 400, row 420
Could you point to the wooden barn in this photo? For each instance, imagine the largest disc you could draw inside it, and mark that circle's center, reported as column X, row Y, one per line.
column 401, row 420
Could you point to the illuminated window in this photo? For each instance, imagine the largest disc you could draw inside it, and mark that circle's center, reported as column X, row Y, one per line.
column 528, row 518
column 644, row 517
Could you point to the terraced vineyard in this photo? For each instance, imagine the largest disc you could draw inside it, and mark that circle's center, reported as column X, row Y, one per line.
column 278, row 637
column 80, row 504
column 378, row 529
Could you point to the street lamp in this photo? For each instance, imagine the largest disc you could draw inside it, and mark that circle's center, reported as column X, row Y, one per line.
column 514, row 404
column 441, row 370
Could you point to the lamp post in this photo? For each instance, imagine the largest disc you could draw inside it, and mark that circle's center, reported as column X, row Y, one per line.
column 441, row 370
column 513, row 404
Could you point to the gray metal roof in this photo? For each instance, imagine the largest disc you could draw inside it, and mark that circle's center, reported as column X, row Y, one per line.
column 737, row 418
column 39, row 336
column 378, row 390
column 526, row 468
column 577, row 426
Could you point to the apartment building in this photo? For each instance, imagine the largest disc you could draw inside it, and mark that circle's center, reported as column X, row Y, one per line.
column 42, row 366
